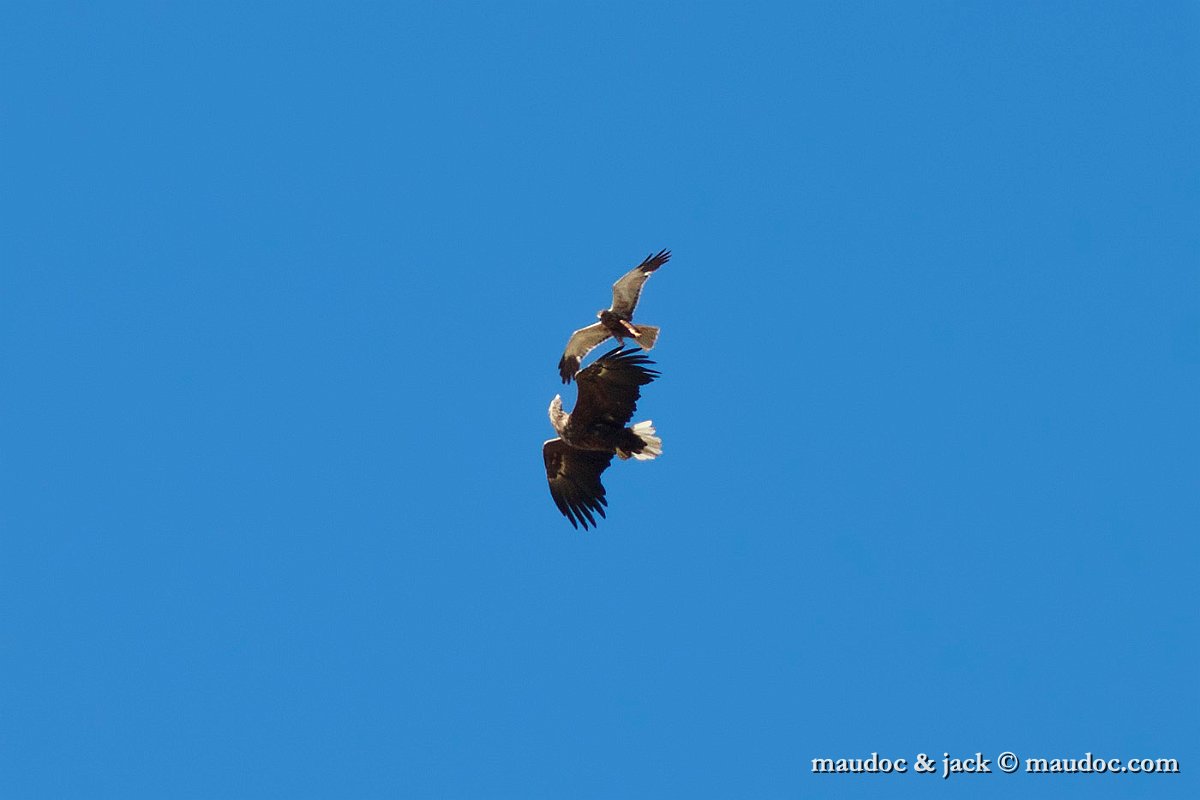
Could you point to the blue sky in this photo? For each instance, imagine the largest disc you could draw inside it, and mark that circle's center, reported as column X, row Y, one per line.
column 284, row 289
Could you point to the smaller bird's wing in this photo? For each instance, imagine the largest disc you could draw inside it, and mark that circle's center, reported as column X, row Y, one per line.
column 609, row 388
column 628, row 289
column 574, row 477
column 578, row 346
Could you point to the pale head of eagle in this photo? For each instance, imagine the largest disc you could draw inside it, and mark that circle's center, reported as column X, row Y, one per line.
column 558, row 417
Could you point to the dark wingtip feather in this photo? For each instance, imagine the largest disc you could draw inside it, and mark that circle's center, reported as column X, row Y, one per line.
column 635, row 355
column 567, row 367
column 655, row 260
column 635, row 358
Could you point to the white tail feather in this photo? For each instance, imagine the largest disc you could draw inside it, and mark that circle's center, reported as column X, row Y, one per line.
column 653, row 444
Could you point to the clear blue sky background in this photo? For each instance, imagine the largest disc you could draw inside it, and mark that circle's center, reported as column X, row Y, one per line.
column 284, row 288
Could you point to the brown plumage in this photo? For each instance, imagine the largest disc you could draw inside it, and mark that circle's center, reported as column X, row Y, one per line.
column 595, row 431
column 617, row 320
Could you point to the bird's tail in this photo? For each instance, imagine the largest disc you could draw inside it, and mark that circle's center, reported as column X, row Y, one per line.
column 651, row 445
column 648, row 336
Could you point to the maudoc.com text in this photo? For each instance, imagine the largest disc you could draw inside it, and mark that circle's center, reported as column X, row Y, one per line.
column 977, row 763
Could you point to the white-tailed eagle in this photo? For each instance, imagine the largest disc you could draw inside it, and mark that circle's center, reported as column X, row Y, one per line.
column 617, row 320
column 595, row 430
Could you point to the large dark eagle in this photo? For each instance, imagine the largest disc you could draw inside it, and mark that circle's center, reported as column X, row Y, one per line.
column 617, row 320
column 590, row 435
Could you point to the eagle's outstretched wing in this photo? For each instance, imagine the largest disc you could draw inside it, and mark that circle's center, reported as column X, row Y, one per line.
column 610, row 387
column 578, row 346
column 574, row 477
column 628, row 289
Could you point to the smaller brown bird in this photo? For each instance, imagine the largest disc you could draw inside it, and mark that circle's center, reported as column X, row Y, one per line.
column 616, row 321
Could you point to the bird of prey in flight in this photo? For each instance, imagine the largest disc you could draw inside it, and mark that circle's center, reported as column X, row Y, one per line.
column 595, row 431
column 617, row 320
